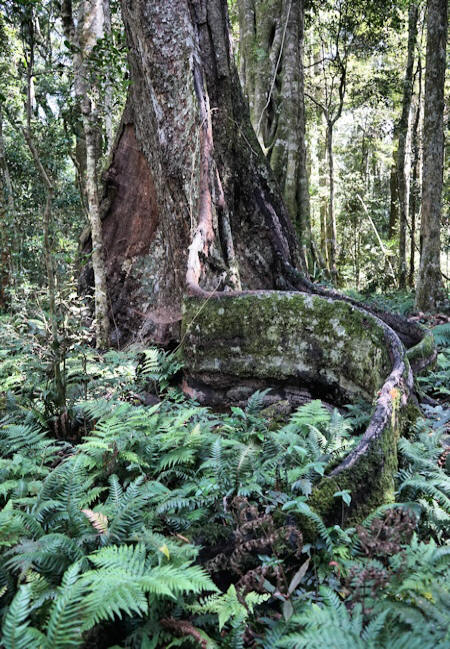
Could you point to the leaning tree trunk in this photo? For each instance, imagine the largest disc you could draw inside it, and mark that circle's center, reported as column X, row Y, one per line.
column 190, row 201
column 429, row 287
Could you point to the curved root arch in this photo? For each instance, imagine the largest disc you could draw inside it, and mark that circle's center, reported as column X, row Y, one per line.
column 235, row 343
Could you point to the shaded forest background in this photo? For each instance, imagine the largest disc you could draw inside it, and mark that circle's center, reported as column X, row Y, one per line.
column 353, row 189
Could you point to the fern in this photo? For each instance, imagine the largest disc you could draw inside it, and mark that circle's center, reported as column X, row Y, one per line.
column 441, row 334
column 66, row 618
column 303, row 508
column 16, row 631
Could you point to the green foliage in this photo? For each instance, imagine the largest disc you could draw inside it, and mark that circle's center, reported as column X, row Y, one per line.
column 436, row 382
column 441, row 334
column 169, row 523
column 424, row 482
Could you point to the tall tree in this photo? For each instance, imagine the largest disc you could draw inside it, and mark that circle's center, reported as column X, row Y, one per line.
column 414, row 191
column 83, row 36
column 190, row 201
column 335, row 44
column 402, row 133
column 429, row 287
column 271, row 70
column 6, row 221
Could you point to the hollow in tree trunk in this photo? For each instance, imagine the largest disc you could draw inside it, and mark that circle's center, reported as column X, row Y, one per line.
column 190, row 200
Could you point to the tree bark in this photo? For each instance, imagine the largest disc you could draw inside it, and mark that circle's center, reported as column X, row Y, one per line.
column 190, row 202
column 83, row 38
column 7, row 225
column 429, row 287
column 331, row 225
column 108, row 99
column 271, row 54
column 402, row 131
column 414, row 191
column 393, row 184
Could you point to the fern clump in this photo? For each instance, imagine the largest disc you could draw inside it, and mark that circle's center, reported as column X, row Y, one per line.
column 171, row 525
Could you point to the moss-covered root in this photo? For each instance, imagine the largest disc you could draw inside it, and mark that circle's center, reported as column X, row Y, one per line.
column 368, row 471
column 423, row 354
column 323, row 342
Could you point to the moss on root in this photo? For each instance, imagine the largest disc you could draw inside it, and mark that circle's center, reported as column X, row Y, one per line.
column 282, row 335
column 306, row 338
column 370, row 482
column 419, row 355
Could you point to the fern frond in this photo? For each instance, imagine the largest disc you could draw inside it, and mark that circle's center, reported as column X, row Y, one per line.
column 16, row 632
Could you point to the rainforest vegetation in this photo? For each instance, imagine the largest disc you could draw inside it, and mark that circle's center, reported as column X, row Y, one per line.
column 224, row 324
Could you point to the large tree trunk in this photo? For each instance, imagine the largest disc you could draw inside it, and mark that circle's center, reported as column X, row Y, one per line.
column 192, row 214
column 429, row 288
column 190, row 201
column 271, row 54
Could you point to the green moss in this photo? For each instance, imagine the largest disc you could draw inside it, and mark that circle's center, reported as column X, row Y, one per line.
column 284, row 335
column 423, row 351
column 370, row 479
column 296, row 336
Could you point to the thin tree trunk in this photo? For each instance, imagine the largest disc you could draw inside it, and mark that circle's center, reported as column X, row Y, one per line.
column 402, row 141
column 83, row 38
column 414, row 192
column 303, row 201
column 429, row 287
column 7, row 225
column 271, row 66
column 108, row 101
column 5, row 171
column 98, row 263
column 393, row 184
column 331, row 226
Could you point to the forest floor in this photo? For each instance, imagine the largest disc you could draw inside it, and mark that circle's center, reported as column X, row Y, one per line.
column 131, row 516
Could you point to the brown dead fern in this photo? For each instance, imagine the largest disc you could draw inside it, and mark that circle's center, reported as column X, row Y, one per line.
column 257, row 533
